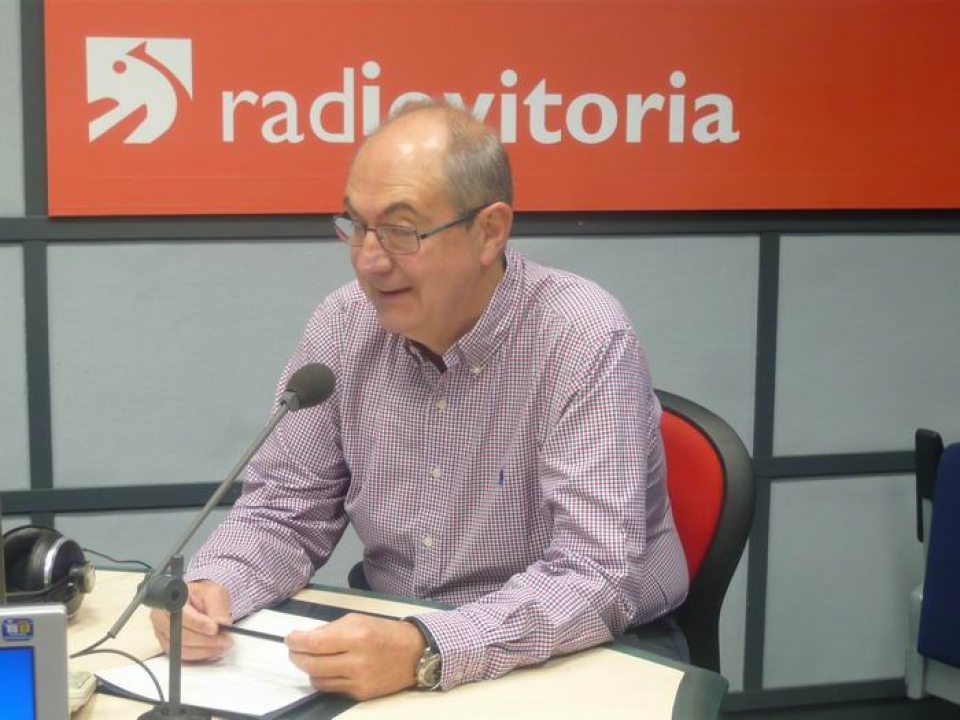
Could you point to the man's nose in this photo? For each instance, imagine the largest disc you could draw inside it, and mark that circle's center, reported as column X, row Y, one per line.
column 370, row 255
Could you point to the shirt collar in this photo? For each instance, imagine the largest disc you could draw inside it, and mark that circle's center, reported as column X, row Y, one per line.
column 421, row 352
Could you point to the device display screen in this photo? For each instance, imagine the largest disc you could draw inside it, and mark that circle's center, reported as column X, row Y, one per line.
column 17, row 683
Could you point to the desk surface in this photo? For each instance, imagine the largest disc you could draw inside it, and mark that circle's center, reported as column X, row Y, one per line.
column 607, row 682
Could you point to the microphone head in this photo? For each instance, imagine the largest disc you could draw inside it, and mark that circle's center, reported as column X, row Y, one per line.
column 309, row 386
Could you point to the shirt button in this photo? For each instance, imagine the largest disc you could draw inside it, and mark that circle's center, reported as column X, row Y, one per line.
column 476, row 369
column 458, row 677
column 428, row 542
column 442, row 404
column 436, row 473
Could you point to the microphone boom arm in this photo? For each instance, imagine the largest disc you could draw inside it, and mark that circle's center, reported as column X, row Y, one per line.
column 288, row 401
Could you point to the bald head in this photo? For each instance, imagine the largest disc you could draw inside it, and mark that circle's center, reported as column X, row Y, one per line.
column 472, row 163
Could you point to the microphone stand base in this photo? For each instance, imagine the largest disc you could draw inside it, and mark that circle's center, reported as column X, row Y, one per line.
column 162, row 712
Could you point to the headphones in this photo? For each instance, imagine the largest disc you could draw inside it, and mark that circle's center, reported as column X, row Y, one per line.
column 44, row 566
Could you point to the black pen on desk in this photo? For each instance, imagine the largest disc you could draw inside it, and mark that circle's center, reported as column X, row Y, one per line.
column 252, row 633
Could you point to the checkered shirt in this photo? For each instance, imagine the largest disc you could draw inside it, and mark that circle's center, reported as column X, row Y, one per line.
column 525, row 485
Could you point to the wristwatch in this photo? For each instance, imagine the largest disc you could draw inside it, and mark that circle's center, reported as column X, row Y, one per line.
column 429, row 669
column 430, row 665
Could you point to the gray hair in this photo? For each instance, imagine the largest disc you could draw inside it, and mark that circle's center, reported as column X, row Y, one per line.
column 476, row 163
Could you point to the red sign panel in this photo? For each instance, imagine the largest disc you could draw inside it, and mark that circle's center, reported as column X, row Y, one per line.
column 245, row 106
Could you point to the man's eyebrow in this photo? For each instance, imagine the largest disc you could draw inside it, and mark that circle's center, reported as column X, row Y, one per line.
column 401, row 206
column 395, row 207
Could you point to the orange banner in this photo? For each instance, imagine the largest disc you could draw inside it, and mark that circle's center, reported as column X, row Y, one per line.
column 245, row 106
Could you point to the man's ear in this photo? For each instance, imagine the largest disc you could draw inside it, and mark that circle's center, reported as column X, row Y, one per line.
column 494, row 223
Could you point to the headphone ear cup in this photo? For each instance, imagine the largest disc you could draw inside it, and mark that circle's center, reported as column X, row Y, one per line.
column 42, row 556
column 69, row 586
column 46, row 564
column 18, row 547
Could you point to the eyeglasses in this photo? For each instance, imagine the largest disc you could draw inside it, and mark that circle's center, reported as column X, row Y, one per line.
column 394, row 239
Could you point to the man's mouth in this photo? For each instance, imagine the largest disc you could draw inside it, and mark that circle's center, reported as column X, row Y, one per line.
column 393, row 293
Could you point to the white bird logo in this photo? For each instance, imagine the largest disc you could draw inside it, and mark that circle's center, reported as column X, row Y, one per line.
column 134, row 78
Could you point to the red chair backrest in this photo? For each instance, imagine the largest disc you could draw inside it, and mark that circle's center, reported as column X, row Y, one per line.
column 695, row 483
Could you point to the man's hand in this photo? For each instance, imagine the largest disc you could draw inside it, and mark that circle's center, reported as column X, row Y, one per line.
column 358, row 655
column 209, row 605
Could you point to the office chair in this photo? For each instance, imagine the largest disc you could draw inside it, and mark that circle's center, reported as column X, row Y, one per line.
column 933, row 640
column 711, row 487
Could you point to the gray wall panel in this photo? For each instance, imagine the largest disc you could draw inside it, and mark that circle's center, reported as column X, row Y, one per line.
column 843, row 559
column 165, row 357
column 14, row 451
column 733, row 626
column 11, row 112
column 14, row 521
column 144, row 536
column 693, row 301
column 869, row 340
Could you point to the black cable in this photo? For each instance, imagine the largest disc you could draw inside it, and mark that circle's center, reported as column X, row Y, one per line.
column 127, row 655
column 118, row 562
column 91, row 648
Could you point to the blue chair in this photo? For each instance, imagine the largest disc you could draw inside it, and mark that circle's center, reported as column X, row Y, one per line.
column 933, row 645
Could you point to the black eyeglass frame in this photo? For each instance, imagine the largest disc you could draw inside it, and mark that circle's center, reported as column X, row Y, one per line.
column 420, row 236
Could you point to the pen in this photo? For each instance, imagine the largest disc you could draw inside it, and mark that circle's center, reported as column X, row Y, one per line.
column 251, row 633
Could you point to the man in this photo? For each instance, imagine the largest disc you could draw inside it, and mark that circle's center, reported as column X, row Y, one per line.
column 494, row 439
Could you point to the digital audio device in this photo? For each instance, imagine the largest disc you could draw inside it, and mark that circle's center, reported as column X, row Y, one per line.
column 33, row 662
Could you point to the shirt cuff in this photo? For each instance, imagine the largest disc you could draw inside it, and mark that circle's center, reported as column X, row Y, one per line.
column 460, row 644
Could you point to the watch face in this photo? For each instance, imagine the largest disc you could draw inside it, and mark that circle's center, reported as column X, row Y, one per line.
column 429, row 670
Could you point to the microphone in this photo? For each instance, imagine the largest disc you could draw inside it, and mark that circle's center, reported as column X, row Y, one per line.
column 307, row 387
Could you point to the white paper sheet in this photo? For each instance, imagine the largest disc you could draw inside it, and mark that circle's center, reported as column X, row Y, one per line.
column 255, row 677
